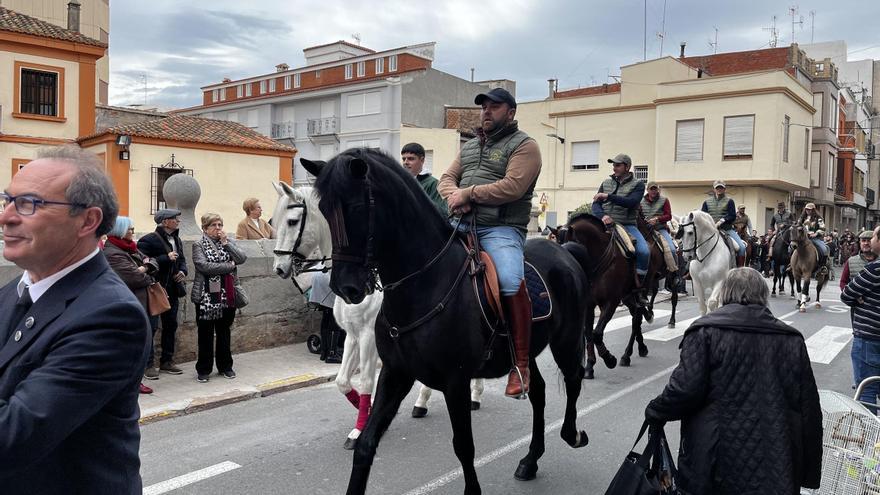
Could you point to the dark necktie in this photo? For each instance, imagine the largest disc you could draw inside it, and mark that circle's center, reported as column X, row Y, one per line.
column 21, row 307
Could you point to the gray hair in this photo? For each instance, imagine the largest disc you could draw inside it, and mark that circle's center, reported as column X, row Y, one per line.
column 89, row 186
column 744, row 286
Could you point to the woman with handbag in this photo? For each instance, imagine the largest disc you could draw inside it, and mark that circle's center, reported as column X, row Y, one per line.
column 133, row 268
column 746, row 397
column 216, row 293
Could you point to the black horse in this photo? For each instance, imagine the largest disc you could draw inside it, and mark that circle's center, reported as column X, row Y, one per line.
column 781, row 256
column 431, row 327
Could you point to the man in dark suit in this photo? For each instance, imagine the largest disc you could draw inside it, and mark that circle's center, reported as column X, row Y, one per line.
column 164, row 245
column 73, row 338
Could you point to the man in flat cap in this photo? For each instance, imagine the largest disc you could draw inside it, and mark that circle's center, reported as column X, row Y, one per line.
column 656, row 210
column 855, row 264
column 723, row 211
column 164, row 245
column 494, row 175
column 781, row 220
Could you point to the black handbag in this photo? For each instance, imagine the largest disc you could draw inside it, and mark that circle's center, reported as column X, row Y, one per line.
column 651, row 472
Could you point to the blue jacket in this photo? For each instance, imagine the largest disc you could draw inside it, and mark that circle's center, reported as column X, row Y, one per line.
column 69, row 387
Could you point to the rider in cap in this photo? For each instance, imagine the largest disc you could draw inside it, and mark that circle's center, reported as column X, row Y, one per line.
column 618, row 202
column 723, row 211
column 781, row 219
column 814, row 224
column 656, row 210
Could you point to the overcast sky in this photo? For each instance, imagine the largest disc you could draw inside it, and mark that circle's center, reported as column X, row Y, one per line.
column 183, row 45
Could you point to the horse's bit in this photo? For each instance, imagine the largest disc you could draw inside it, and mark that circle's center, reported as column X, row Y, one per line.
column 715, row 235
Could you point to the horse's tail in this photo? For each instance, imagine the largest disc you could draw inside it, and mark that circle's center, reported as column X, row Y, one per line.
column 582, row 256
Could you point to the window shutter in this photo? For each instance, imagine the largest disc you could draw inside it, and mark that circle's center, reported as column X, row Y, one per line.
column 689, row 140
column 429, row 161
column 585, row 155
column 372, row 102
column 253, row 118
column 355, row 104
column 738, row 136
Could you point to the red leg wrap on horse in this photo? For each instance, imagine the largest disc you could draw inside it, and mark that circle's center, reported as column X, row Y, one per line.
column 363, row 412
column 354, row 397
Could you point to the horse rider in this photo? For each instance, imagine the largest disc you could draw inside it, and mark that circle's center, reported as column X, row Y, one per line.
column 814, row 224
column 782, row 218
column 412, row 156
column 855, row 264
column 723, row 211
column 742, row 220
column 618, row 202
column 657, row 211
column 495, row 175
column 847, row 241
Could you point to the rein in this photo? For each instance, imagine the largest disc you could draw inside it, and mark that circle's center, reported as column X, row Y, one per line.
column 697, row 246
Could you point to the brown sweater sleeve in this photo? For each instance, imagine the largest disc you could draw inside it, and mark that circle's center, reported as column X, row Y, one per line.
column 449, row 180
column 523, row 168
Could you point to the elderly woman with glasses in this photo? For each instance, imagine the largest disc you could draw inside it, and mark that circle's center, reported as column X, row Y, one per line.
column 133, row 267
column 216, row 293
column 746, row 397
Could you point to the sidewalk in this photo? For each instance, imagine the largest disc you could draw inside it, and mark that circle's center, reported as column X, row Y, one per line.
column 260, row 374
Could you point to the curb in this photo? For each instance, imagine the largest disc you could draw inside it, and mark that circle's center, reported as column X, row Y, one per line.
column 198, row 404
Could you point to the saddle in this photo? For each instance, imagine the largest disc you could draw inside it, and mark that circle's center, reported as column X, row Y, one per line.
column 668, row 258
column 732, row 245
column 624, row 241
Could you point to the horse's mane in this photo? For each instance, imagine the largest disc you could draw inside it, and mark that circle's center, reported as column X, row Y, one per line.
column 587, row 217
column 388, row 180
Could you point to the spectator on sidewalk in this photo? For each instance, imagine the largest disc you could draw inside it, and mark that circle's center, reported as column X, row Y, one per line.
column 252, row 227
column 855, row 264
column 862, row 294
column 73, row 338
column 746, row 397
column 165, row 247
column 332, row 335
column 217, row 293
column 135, row 269
column 412, row 155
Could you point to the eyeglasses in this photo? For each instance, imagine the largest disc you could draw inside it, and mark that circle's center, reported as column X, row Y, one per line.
column 26, row 205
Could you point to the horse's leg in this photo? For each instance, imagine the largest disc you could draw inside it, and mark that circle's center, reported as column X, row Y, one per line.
column 528, row 465
column 636, row 323
column 776, row 278
column 604, row 317
column 671, row 323
column 369, row 359
column 791, row 279
column 393, row 387
column 713, row 302
column 589, row 373
column 462, row 434
column 700, row 293
column 476, row 393
column 420, row 409
column 350, row 356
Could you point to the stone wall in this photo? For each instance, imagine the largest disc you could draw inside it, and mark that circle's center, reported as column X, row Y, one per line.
column 277, row 313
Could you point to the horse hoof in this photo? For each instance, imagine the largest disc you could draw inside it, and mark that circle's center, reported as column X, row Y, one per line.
column 582, row 440
column 643, row 350
column 624, row 361
column 648, row 315
column 419, row 412
column 803, row 310
column 475, row 406
column 349, row 443
column 526, row 471
column 610, row 361
column 589, row 375
column 773, row 294
column 671, row 325
column 818, row 305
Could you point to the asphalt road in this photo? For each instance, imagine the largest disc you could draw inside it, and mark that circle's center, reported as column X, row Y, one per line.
column 291, row 443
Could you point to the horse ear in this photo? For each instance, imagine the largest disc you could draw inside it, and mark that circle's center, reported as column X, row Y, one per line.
column 313, row 167
column 282, row 188
column 358, row 168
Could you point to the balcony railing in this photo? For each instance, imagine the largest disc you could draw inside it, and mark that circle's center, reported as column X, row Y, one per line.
column 839, row 190
column 869, row 196
column 324, row 126
column 283, row 130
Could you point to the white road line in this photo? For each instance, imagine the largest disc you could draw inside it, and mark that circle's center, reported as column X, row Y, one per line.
column 824, row 345
column 190, row 478
column 506, row 449
column 626, row 321
column 666, row 334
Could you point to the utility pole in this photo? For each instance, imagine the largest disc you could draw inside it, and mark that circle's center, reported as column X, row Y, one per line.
column 714, row 44
column 144, row 79
column 645, row 37
column 812, row 25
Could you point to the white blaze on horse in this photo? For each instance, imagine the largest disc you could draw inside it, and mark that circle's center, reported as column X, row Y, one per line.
column 708, row 257
column 302, row 231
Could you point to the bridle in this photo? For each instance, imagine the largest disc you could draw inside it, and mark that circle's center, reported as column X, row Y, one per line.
column 301, row 264
column 697, row 245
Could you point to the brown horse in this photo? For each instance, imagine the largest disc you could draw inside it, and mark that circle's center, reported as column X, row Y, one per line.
column 612, row 281
column 743, row 231
column 804, row 262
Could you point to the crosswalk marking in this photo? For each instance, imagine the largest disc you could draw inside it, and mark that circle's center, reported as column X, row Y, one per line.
column 824, row 345
column 626, row 320
column 666, row 334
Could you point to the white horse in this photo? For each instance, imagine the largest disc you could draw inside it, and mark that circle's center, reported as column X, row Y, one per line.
column 708, row 257
column 302, row 231
column 420, row 409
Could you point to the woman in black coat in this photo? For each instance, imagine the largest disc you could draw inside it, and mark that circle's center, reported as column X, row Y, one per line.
column 746, row 397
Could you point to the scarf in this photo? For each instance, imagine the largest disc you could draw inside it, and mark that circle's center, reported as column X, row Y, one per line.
column 127, row 246
column 212, row 304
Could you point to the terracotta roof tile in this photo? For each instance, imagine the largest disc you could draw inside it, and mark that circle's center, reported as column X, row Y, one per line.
column 724, row 64
column 198, row 130
column 589, row 91
column 15, row 22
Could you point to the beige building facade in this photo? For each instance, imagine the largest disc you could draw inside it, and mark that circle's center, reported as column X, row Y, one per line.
column 684, row 128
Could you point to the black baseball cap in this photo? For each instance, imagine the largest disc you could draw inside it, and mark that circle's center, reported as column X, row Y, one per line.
column 498, row 95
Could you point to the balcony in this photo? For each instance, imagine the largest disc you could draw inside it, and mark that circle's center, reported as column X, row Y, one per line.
column 839, row 190
column 325, row 126
column 283, row 130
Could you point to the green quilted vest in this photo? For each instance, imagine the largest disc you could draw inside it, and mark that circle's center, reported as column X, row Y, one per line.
column 487, row 163
column 618, row 213
column 856, row 265
column 718, row 209
column 655, row 209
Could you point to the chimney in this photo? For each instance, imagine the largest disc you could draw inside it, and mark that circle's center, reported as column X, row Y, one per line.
column 552, row 87
column 73, row 15
column 281, row 67
column 683, row 44
column 226, row 80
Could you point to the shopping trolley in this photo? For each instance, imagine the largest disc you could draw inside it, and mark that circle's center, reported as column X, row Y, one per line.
column 850, row 445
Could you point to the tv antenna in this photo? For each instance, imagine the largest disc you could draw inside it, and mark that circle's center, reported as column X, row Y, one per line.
column 793, row 12
column 714, row 44
column 774, row 33
column 662, row 33
column 144, row 80
column 357, row 37
column 812, row 24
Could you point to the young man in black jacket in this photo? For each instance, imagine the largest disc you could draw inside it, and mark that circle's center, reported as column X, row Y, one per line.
column 165, row 246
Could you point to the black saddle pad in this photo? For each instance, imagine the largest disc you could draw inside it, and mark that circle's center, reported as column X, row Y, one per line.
column 542, row 305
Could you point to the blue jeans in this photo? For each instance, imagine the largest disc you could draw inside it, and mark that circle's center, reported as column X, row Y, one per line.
column 866, row 362
column 643, row 253
column 669, row 241
column 505, row 245
column 742, row 245
column 820, row 245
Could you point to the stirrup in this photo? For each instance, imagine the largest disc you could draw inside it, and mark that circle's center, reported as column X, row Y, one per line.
column 524, row 394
